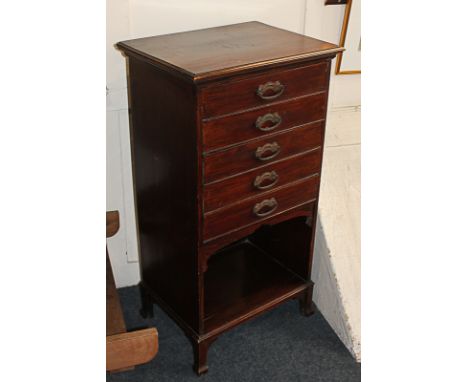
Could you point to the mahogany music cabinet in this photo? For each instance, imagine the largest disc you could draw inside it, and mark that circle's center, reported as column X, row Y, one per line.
column 227, row 128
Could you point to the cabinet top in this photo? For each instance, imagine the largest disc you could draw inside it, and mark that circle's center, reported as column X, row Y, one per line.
column 215, row 52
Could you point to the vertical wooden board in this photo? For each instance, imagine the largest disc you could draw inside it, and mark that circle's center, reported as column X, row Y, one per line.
column 164, row 145
column 115, row 323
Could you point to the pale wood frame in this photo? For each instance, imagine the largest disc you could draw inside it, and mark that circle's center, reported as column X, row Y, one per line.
column 344, row 30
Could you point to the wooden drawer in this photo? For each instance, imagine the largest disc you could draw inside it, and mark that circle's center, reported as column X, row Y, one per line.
column 260, row 208
column 255, row 182
column 238, row 159
column 224, row 131
column 274, row 85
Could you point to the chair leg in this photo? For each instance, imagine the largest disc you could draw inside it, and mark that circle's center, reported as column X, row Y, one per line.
column 146, row 310
column 306, row 304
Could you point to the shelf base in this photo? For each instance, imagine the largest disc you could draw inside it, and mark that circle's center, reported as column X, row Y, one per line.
column 243, row 281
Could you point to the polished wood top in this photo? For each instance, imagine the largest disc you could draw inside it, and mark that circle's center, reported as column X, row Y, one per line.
column 209, row 53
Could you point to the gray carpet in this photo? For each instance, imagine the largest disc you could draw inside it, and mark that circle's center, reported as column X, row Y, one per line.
column 281, row 345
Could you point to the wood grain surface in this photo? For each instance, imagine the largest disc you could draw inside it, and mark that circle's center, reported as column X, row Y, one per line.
column 242, row 158
column 126, row 350
column 236, row 128
column 214, row 52
column 241, row 214
column 228, row 191
column 228, row 97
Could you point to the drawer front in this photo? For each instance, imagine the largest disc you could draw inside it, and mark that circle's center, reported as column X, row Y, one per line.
column 261, row 208
column 256, row 182
column 262, row 152
column 259, row 90
column 241, row 127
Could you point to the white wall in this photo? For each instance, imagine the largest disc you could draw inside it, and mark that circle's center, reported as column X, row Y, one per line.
column 336, row 269
column 324, row 22
column 128, row 19
column 123, row 249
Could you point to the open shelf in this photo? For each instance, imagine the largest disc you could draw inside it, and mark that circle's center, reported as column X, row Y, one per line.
column 242, row 281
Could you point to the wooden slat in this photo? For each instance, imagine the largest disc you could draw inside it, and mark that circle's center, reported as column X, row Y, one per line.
column 129, row 349
column 124, row 350
column 115, row 323
column 112, row 223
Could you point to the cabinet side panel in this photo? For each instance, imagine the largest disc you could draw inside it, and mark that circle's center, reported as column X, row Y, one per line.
column 164, row 150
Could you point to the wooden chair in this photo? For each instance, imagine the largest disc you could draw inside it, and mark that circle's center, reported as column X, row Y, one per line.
column 124, row 349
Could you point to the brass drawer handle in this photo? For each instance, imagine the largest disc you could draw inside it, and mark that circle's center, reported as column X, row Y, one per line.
column 274, row 148
column 270, row 117
column 272, row 204
column 264, row 90
column 271, row 176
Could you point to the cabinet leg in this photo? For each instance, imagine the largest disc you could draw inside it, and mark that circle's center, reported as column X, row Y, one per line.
column 200, row 354
column 305, row 302
column 146, row 310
